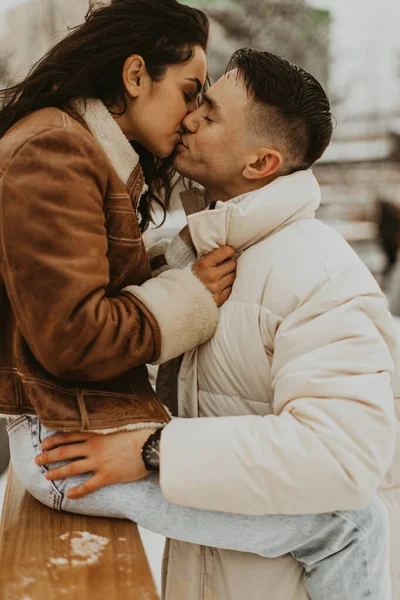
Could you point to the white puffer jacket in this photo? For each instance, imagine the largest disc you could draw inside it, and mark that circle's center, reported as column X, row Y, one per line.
column 300, row 378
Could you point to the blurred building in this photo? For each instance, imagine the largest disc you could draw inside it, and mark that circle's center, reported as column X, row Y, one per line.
column 286, row 27
column 361, row 164
column 32, row 28
column 360, row 168
column 289, row 28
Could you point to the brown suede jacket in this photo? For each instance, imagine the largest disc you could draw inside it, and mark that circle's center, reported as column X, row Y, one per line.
column 74, row 343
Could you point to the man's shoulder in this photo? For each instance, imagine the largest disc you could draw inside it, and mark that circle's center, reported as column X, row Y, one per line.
column 306, row 263
column 303, row 246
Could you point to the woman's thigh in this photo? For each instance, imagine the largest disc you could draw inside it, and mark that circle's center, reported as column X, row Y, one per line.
column 26, row 434
column 23, row 433
column 140, row 501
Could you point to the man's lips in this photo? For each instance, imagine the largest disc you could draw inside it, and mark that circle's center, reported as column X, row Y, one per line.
column 183, row 143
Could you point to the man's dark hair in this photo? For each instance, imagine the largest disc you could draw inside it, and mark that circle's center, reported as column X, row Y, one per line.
column 290, row 106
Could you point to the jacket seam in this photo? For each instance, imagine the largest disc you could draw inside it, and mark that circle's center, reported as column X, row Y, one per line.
column 234, row 397
column 74, row 391
column 125, row 241
column 389, row 488
column 47, row 385
column 56, row 423
column 110, row 394
column 102, row 424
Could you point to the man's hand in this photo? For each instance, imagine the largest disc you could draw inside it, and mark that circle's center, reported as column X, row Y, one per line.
column 217, row 271
column 113, row 458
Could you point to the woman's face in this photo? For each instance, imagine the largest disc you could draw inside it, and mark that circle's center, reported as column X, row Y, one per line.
column 155, row 110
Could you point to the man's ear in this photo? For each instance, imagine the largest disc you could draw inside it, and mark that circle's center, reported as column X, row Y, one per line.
column 134, row 73
column 262, row 165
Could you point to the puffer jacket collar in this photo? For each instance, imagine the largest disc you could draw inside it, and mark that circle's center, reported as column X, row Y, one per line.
column 250, row 218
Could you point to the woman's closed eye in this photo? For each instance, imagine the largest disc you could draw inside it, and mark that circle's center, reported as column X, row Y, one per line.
column 191, row 97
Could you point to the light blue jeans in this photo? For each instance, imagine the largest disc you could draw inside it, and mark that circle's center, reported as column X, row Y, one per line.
column 345, row 555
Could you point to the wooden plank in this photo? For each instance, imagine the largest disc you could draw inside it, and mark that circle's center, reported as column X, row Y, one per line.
column 38, row 559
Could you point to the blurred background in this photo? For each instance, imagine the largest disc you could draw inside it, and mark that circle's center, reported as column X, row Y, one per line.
column 351, row 46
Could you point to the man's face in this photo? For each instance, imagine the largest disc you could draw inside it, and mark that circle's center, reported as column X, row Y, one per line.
column 215, row 148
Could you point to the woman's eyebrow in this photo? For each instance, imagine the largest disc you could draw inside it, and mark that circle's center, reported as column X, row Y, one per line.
column 197, row 82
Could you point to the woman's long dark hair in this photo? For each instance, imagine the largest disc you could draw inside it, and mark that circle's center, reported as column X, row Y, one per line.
column 88, row 63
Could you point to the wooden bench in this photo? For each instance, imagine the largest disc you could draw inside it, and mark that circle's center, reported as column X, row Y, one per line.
column 50, row 555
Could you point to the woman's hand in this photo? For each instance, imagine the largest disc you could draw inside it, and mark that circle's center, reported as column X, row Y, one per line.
column 112, row 458
column 217, row 271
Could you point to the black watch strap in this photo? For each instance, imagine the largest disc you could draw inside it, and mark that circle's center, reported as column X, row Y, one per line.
column 151, row 451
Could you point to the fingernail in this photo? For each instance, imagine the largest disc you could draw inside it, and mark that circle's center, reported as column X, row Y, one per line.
column 38, row 460
column 43, row 445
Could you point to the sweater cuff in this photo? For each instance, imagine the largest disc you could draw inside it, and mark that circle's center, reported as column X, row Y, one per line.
column 156, row 255
column 184, row 309
column 170, row 254
column 178, row 255
column 159, row 248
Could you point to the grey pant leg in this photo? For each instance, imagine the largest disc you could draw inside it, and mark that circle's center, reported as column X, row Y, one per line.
column 348, row 556
column 345, row 555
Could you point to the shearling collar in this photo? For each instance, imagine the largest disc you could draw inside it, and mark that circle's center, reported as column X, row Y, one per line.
column 250, row 218
column 109, row 135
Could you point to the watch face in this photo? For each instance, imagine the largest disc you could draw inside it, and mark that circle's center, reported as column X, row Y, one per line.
column 151, row 453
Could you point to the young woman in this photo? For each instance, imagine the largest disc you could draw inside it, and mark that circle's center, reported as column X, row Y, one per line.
column 85, row 147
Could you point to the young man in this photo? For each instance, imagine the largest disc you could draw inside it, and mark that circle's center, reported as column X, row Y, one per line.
column 297, row 382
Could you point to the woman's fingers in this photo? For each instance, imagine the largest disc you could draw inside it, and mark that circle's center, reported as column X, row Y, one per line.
column 59, row 439
column 223, row 297
column 213, row 267
column 60, row 454
column 226, row 289
column 227, row 267
column 228, row 281
column 218, row 256
column 78, row 467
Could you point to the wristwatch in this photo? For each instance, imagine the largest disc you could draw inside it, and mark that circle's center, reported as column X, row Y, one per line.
column 151, row 451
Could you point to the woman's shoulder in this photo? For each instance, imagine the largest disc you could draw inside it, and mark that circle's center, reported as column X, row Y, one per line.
column 47, row 129
column 48, row 122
